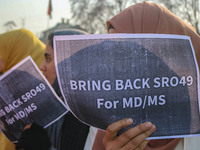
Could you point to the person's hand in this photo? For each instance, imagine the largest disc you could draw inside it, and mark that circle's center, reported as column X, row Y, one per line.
column 132, row 139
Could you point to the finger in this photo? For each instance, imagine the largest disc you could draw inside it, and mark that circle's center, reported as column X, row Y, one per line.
column 112, row 129
column 132, row 133
column 27, row 127
column 139, row 140
column 141, row 146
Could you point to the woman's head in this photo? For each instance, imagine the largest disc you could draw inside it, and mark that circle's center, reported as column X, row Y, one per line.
column 17, row 45
column 149, row 17
column 48, row 66
column 63, row 32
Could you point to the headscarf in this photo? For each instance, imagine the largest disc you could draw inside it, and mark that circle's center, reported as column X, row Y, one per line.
column 17, row 45
column 14, row 47
column 149, row 17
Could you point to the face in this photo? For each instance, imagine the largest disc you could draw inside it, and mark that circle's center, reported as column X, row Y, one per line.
column 48, row 66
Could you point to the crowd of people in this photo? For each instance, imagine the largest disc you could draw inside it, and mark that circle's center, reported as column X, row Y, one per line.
column 68, row 132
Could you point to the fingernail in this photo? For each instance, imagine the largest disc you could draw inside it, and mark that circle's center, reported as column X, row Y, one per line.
column 149, row 124
column 153, row 128
column 129, row 120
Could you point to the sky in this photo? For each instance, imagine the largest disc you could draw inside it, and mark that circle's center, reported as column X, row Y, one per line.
column 32, row 14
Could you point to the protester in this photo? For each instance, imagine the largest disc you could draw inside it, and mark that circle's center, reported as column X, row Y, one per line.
column 14, row 47
column 146, row 17
column 68, row 132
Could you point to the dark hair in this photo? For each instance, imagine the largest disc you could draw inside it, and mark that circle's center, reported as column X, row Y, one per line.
column 64, row 32
column 110, row 27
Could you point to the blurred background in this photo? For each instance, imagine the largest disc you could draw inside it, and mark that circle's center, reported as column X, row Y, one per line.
column 44, row 16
